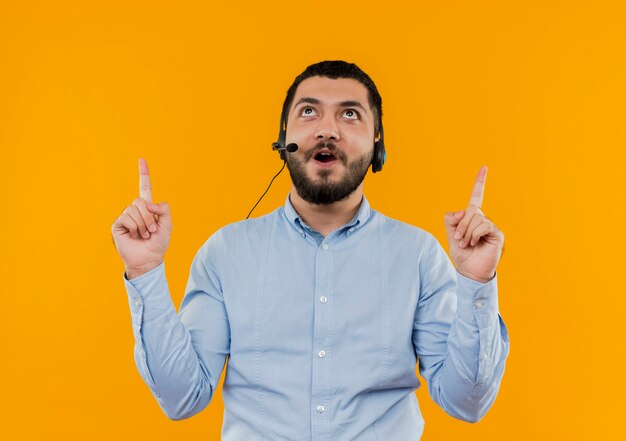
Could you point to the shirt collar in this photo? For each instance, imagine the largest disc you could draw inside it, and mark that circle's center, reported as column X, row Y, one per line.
column 357, row 221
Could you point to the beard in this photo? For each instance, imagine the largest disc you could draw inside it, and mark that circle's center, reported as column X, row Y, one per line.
column 323, row 191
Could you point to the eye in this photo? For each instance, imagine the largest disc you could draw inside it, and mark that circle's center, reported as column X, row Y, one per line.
column 307, row 111
column 351, row 114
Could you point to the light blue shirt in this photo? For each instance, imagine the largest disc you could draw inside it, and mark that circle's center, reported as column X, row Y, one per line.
column 322, row 334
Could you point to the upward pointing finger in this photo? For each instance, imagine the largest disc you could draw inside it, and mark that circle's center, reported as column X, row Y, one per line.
column 145, row 187
column 479, row 187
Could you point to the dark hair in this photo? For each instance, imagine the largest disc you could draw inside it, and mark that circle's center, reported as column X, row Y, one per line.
column 338, row 69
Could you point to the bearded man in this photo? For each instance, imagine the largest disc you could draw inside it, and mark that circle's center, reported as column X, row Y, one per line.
column 321, row 310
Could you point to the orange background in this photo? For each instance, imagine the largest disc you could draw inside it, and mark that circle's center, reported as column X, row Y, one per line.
column 536, row 91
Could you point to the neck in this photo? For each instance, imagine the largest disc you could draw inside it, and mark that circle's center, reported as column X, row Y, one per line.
column 327, row 218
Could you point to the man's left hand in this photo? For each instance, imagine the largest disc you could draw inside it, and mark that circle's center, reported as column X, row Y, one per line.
column 474, row 241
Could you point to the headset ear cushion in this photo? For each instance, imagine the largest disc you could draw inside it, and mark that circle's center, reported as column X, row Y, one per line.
column 379, row 156
column 282, row 137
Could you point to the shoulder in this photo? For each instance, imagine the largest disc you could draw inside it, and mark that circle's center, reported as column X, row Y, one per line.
column 244, row 231
column 401, row 231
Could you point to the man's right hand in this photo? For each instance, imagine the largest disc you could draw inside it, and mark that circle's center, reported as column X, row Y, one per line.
column 142, row 232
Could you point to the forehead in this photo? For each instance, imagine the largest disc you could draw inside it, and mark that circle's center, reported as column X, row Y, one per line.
column 330, row 91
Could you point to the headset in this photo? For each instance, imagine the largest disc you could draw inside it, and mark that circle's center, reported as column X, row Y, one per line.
column 378, row 159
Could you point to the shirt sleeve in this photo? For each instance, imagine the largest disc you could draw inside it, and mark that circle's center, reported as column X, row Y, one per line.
column 180, row 356
column 459, row 336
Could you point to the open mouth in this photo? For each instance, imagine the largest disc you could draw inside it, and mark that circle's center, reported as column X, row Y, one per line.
column 325, row 157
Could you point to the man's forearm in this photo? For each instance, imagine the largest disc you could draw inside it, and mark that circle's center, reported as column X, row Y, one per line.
column 470, row 376
column 164, row 354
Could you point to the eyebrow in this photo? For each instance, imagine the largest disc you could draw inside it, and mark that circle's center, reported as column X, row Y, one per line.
column 349, row 103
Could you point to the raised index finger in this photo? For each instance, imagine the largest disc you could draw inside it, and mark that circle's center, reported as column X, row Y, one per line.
column 145, row 187
column 479, row 187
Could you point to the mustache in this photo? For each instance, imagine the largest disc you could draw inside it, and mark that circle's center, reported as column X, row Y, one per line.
column 329, row 145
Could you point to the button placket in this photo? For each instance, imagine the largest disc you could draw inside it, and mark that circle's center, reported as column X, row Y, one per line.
column 322, row 337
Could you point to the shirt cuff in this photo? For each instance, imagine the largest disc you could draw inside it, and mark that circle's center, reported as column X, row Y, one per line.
column 147, row 274
column 150, row 290
column 476, row 301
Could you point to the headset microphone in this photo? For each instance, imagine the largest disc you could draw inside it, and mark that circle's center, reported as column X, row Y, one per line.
column 291, row 147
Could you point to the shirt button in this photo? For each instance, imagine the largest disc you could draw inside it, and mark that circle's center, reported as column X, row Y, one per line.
column 322, row 354
column 325, row 246
column 320, row 409
column 479, row 305
column 323, row 299
column 137, row 302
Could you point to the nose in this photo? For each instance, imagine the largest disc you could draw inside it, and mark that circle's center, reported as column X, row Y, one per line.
column 327, row 130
